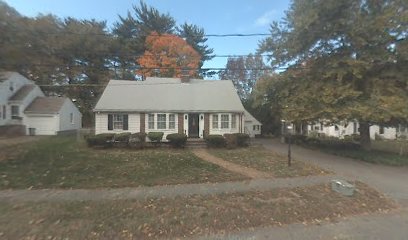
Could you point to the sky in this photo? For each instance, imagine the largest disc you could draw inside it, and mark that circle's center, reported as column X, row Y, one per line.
column 215, row 16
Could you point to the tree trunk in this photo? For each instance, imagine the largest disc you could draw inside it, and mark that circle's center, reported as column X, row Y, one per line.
column 365, row 140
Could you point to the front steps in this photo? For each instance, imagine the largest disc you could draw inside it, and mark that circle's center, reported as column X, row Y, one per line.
column 196, row 143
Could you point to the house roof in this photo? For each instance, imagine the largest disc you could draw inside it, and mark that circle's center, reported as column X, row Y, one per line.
column 22, row 92
column 45, row 105
column 170, row 95
column 4, row 75
column 250, row 118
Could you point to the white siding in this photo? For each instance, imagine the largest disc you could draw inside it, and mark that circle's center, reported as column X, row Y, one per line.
column 389, row 132
column 65, row 117
column 222, row 131
column 348, row 129
column 43, row 124
column 249, row 129
column 17, row 81
column 101, row 123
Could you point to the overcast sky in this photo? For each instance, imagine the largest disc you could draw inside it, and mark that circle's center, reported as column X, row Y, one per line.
column 215, row 16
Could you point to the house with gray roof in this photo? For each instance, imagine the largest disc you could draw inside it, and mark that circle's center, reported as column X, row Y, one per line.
column 194, row 107
column 23, row 104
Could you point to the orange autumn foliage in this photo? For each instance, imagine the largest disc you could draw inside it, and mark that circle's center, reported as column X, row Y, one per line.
column 168, row 55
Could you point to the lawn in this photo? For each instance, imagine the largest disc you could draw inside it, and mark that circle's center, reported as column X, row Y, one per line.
column 184, row 216
column 373, row 156
column 267, row 161
column 62, row 162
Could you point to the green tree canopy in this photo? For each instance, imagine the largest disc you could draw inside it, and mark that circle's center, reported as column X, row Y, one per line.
column 345, row 59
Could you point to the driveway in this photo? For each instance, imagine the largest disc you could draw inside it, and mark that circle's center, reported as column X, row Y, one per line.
column 392, row 181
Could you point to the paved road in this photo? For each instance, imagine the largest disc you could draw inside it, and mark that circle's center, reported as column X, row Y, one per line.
column 392, row 181
column 390, row 226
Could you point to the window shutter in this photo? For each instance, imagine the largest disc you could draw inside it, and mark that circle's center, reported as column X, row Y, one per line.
column 110, row 122
column 125, row 122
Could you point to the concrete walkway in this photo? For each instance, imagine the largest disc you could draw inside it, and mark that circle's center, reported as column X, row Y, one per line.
column 246, row 171
column 392, row 181
column 158, row 191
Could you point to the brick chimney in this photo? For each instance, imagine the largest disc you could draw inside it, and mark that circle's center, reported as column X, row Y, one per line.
column 185, row 76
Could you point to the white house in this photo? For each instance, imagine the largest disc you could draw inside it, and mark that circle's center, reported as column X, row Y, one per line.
column 23, row 104
column 352, row 127
column 252, row 125
column 194, row 107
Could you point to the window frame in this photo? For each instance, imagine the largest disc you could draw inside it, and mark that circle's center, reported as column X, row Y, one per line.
column 214, row 121
column 14, row 107
column 233, row 121
column 225, row 121
column 160, row 122
column 117, row 120
column 172, row 121
column 150, row 121
column 71, row 118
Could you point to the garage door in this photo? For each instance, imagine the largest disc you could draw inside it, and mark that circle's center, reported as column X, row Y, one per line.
column 42, row 125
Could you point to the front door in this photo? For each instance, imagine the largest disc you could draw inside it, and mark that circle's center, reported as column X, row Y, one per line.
column 193, row 125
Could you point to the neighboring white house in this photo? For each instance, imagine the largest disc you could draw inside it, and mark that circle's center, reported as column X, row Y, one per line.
column 23, row 103
column 252, row 125
column 194, row 107
column 352, row 127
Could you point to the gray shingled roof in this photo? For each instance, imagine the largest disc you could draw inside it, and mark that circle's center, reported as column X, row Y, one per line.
column 4, row 75
column 170, row 95
column 45, row 105
column 250, row 118
column 22, row 92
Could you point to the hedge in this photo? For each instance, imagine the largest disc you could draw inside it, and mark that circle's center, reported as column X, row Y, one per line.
column 155, row 137
column 137, row 140
column 122, row 137
column 215, row 141
column 100, row 140
column 242, row 139
column 177, row 140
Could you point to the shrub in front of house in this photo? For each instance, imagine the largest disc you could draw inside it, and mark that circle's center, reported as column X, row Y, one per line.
column 101, row 140
column 215, row 141
column 242, row 139
column 122, row 137
column 177, row 140
column 155, row 137
column 137, row 140
column 231, row 141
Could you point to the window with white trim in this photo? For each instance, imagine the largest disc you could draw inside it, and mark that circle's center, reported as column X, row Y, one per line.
column 224, row 121
column 71, row 118
column 118, row 121
column 150, row 121
column 215, row 121
column 172, row 121
column 233, row 121
column 15, row 110
column 161, row 121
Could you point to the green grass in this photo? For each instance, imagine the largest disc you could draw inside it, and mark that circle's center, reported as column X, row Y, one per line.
column 373, row 156
column 391, row 146
column 61, row 162
column 184, row 217
column 267, row 161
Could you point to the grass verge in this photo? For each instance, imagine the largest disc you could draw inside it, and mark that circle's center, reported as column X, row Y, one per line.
column 373, row 156
column 184, row 216
column 263, row 160
column 61, row 162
